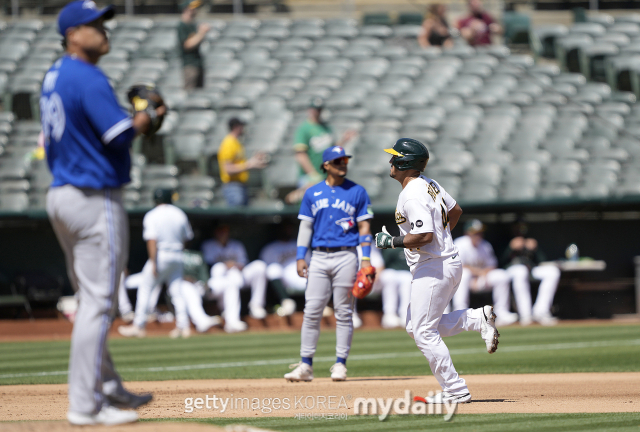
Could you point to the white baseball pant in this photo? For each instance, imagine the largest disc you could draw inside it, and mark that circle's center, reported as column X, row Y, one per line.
column 193, row 300
column 497, row 280
column 549, row 276
column 395, row 288
column 168, row 270
column 124, row 304
column 288, row 273
column 133, row 282
column 434, row 284
column 227, row 282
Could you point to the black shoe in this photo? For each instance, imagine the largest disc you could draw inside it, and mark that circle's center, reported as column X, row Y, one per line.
column 129, row 400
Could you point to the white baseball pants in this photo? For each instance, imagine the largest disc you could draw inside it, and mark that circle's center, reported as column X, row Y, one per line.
column 193, row 302
column 169, row 270
column 497, row 280
column 227, row 282
column 288, row 274
column 124, row 304
column 548, row 275
column 434, row 284
column 395, row 288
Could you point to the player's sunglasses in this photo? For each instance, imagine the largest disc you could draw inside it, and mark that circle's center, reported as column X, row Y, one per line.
column 340, row 161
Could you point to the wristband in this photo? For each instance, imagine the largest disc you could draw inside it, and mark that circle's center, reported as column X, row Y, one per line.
column 366, row 252
column 397, row 242
column 368, row 238
column 301, row 252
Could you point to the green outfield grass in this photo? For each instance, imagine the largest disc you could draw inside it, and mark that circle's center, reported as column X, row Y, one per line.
column 460, row 423
column 608, row 348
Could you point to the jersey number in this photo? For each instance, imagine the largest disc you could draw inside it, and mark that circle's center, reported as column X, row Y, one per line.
column 52, row 116
column 445, row 217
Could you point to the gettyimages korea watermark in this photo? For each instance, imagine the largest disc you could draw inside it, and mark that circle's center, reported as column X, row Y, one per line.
column 334, row 406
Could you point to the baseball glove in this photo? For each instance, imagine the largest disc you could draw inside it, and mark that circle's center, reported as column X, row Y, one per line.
column 146, row 98
column 364, row 282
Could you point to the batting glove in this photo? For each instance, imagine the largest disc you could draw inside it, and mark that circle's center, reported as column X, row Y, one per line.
column 384, row 239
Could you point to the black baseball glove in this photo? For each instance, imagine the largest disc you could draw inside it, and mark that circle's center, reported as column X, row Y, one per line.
column 146, row 98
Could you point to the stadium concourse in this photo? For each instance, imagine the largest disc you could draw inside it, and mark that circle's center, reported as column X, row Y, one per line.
column 500, row 127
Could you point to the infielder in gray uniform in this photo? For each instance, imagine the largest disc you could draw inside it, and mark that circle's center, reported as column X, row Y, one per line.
column 87, row 139
column 334, row 218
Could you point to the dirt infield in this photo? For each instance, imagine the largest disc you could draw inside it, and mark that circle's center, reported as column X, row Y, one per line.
column 531, row 393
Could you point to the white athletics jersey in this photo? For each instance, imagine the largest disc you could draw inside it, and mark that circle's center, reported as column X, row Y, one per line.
column 281, row 252
column 481, row 256
column 168, row 226
column 213, row 251
column 423, row 207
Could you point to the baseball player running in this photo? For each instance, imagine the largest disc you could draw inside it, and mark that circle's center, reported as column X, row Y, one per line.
column 165, row 229
column 334, row 219
column 87, row 139
column 425, row 215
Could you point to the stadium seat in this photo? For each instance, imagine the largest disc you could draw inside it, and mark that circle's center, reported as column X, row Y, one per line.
column 592, row 60
column 563, row 173
column 543, row 39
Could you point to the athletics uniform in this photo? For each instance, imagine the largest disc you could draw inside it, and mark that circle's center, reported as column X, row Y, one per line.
column 423, row 207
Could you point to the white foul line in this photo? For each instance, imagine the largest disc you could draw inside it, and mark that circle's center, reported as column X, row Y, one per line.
column 362, row 357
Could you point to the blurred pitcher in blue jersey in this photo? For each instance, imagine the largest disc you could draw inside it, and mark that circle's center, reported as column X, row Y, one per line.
column 334, row 220
column 87, row 139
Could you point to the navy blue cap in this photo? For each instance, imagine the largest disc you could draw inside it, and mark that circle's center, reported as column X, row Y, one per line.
column 332, row 153
column 81, row 12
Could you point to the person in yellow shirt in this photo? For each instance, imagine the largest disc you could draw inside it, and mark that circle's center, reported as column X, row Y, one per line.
column 234, row 167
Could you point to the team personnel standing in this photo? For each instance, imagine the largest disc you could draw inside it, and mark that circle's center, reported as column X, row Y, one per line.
column 190, row 37
column 87, row 139
column 480, row 273
column 166, row 228
column 334, row 219
column 425, row 215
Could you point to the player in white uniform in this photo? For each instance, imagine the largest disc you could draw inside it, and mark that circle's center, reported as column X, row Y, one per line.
column 166, row 228
column 231, row 271
column 425, row 214
column 522, row 258
column 282, row 273
column 480, row 273
column 395, row 289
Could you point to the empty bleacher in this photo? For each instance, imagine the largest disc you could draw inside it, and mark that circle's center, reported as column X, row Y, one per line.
column 500, row 127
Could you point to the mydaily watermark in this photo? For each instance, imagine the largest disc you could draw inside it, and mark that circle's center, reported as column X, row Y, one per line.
column 333, row 406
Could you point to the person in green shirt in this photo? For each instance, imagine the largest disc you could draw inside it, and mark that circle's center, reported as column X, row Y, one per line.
column 190, row 37
column 313, row 137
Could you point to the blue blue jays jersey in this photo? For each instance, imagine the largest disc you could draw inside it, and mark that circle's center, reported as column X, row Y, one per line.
column 80, row 117
column 335, row 213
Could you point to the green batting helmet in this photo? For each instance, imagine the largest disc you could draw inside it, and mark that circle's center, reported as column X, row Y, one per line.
column 163, row 196
column 409, row 154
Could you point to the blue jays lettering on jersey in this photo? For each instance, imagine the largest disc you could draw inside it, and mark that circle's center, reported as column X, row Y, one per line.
column 80, row 118
column 335, row 213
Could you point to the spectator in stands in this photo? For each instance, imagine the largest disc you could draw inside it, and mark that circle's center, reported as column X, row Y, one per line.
column 190, row 37
column 478, row 26
column 522, row 258
column 234, row 168
column 312, row 138
column 230, row 271
column 480, row 273
column 435, row 28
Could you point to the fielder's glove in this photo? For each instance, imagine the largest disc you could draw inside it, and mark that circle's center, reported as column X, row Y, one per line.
column 383, row 239
column 146, row 98
column 364, row 282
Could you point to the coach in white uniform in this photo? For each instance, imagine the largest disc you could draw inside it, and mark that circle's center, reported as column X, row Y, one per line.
column 480, row 273
column 232, row 271
column 425, row 214
column 166, row 228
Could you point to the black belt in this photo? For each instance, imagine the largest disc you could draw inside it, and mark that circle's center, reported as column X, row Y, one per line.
column 332, row 249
